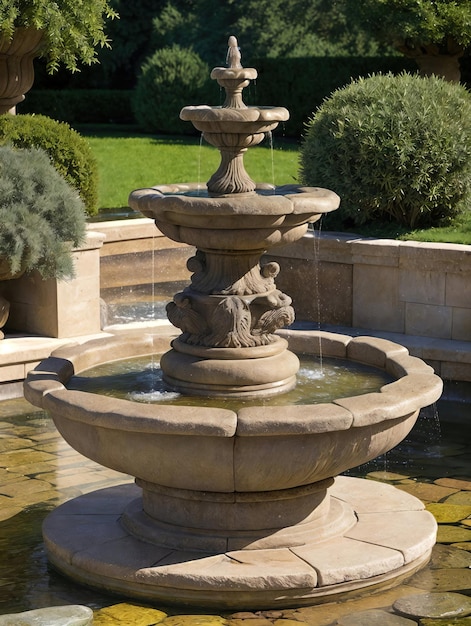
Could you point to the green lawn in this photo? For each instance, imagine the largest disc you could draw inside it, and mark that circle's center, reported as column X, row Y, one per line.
column 128, row 160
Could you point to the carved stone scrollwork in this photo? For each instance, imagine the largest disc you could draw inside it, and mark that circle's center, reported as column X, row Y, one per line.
column 232, row 303
column 182, row 315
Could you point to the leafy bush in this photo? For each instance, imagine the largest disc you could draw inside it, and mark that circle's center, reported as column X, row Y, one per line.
column 68, row 151
column 41, row 216
column 171, row 79
column 72, row 28
column 394, row 148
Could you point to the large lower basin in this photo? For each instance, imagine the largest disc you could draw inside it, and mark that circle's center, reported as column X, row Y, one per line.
column 219, row 450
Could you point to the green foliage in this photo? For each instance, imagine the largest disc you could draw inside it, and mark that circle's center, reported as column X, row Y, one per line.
column 416, row 22
column 83, row 106
column 394, row 148
column 67, row 150
column 72, row 28
column 171, row 79
column 301, row 84
column 41, row 216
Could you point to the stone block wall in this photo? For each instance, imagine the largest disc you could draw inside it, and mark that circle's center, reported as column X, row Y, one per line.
column 407, row 287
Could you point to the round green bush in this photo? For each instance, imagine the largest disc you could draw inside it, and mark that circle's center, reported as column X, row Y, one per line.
column 171, row 79
column 41, row 216
column 68, row 151
column 395, row 148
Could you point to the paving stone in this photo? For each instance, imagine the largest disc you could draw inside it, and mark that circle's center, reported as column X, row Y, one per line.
column 327, row 614
column 463, row 545
column 126, row 614
column 460, row 498
column 453, row 534
column 453, row 579
column 427, row 492
column 446, row 513
column 446, row 557
column 14, row 443
column 434, row 605
column 22, row 457
column 8, row 511
column 375, row 617
column 24, row 487
column 197, row 620
column 457, row 483
column 253, row 621
column 70, row 615
column 459, row 621
column 386, row 476
column 289, row 622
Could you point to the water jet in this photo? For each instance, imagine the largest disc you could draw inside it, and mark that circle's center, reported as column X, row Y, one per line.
column 246, row 508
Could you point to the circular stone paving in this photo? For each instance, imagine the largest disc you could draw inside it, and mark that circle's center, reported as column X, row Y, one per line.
column 434, row 605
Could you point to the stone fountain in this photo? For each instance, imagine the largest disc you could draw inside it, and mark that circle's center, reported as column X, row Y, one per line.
column 236, row 508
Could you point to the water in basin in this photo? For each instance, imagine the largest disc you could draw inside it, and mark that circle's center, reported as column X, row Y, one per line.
column 140, row 379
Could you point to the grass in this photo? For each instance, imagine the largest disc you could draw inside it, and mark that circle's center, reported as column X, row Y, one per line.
column 129, row 160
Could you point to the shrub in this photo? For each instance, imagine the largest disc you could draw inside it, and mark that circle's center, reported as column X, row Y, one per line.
column 171, row 79
column 68, row 151
column 394, row 148
column 41, row 216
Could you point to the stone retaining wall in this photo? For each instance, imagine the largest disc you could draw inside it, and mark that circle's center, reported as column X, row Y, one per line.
column 407, row 287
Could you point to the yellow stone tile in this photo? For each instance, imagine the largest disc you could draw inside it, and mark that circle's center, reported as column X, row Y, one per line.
column 24, row 487
column 446, row 513
column 427, row 492
column 14, row 443
column 31, row 469
column 6, row 511
column 125, row 613
column 460, row 497
column 7, row 476
column 35, row 498
column 22, row 457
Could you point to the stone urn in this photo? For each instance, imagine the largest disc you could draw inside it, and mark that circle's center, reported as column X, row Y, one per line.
column 16, row 65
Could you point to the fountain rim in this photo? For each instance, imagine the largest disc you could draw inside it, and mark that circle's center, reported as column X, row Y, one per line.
column 251, row 114
column 415, row 387
column 271, row 200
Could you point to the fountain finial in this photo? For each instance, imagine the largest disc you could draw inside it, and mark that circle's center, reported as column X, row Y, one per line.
column 233, row 54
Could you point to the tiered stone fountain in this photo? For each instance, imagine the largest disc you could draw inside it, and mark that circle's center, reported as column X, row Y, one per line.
column 236, row 508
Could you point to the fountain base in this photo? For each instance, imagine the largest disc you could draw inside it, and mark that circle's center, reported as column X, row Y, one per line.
column 385, row 536
column 263, row 370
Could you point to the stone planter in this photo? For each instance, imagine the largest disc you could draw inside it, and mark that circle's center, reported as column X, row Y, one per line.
column 5, row 274
column 16, row 65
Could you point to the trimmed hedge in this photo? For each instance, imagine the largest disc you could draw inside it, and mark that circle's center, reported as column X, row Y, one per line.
column 299, row 84
column 81, row 106
column 395, row 148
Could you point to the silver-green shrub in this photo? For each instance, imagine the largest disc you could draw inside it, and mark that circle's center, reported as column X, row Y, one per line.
column 395, row 148
column 42, row 217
